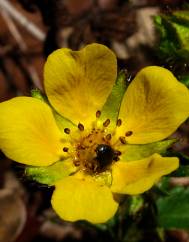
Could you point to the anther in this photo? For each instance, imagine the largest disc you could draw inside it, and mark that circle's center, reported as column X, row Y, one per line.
column 106, row 123
column 108, row 136
column 122, row 139
column 65, row 149
column 116, row 158
column 76, row 162
column 98, row 113
column 119, row 122
column 117, row 152
column 81, row 127
column 66, row 130
column 81, row 147
column 128, row 133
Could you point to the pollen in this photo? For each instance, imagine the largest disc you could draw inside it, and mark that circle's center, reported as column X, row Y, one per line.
column 96, row 150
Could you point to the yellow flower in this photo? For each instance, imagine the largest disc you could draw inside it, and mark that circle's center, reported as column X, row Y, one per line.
column 92, row 139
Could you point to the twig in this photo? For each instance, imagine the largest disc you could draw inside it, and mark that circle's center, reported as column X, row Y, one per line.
column 179, row 181
column 15, row 14
column 23, row 47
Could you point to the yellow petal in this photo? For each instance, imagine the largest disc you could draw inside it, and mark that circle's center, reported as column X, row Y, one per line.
column 28, row 132
column 154, row 106
column 83, row 199
column 136, row 177
column 78, row 83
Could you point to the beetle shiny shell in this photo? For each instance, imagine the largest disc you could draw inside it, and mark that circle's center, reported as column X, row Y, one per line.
column 105, row 155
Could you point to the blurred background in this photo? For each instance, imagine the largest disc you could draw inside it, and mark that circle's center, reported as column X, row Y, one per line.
column 29, row 31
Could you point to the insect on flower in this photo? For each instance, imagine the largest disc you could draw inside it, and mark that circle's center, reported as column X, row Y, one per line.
column 93, row 136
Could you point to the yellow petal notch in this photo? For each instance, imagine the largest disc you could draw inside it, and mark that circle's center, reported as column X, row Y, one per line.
column 78, row 83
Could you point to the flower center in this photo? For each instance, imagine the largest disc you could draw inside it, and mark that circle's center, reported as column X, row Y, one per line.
column 95, row 150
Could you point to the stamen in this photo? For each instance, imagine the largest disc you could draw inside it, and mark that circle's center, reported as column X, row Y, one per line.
column 128, row 133
column 66, row 130
column 117, row 152
column 108, row 136
column 76, row 162
column 65, row 149
column 122, row 139
column 116, row 158
column 106, row 123
column 119, row 122
column 81, row 127
column 81, row 147
column 98, row 113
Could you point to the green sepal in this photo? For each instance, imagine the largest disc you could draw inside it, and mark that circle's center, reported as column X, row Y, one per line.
column 36, row 93
column 110, row 110
column 50, row 174
column 172, row 209
column 62, row 122
column 137, row 152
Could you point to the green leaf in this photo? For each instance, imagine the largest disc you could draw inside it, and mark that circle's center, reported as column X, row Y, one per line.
column 137, row 152
column 111, row 108
column 168, row 43
column 174, row 38
column 184, row 79
column 137, row 202
column 50, row 174
column 182, row 34
column 184, row 159
column 182, row 17
column 182, row 171
column 173, row 209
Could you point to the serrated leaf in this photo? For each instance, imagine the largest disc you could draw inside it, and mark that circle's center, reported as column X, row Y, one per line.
column 174, row 38
column 173, row 209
